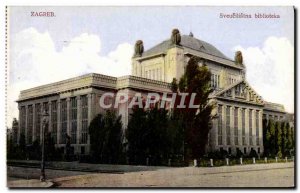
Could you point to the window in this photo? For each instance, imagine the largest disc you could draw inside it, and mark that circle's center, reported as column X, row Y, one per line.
column 228, row 125
column 73, row 120
column 29, row 124
column 84, row 119
column 220, row 125
column 38, row 117
column 54, row 121
column 236, row 126
column 215, row 81
column 250, row 127
column 243, row 127
column 257, row 127
column 63, row 120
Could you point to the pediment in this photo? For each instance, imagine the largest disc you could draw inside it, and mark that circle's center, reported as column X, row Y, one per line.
column 241, row 91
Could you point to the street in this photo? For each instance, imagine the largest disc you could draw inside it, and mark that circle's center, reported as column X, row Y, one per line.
column 254, row 175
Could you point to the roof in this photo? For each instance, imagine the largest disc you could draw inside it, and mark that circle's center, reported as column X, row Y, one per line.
column 274, row 107
column 188, row 42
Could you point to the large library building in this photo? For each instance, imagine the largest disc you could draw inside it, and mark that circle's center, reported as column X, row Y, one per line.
column 73, row 103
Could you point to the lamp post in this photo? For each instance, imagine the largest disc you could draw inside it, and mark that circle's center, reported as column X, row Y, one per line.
column 44, row 127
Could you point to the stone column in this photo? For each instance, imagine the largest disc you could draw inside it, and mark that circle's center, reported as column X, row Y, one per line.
column 90, row 114
column 232, row 126
column 247, row 127
column 58, row 122
column 224, row 125
column 50, row 129
column 26, row 123
column 33, row 123
column 254, row 127
column 240, row 140
column 214, row 134
column 20, row 125
column 79, row 118
column 260, row 134
column 68, row 116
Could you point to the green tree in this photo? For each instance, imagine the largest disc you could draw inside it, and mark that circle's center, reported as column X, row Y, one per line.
column 136, row 135
column 278, row 139
column 271, row 137
column 266, row 136
column 196, row 122
column 289, row 137
column 106, row 137
column 284, row 138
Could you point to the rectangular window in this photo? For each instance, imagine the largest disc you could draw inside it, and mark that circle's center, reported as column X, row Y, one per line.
column 29, row 124
column 228, row 125
column 54, row 121
column 84, row 120
column 63, row 120
column 38, row 116
column 236, row 126
column 250, row 127
column 73, row 113
column 220, row 125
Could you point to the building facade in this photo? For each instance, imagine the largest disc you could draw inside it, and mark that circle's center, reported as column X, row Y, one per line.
column 73, row 103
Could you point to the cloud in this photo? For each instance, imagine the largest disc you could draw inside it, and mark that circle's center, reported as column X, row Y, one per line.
column 34, row 61
column 270, row 70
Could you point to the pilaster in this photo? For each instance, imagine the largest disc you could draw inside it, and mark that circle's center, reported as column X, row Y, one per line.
column 247, row 127
column 33, row 123
column 68, row 117
column 224, row 125
column 254, row 127
column 79, row 119
column 240, row 140
column 231, row 125
column 58, row 121
column 26, row 123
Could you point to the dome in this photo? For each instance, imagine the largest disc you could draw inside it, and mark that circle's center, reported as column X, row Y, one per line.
column 187, row 42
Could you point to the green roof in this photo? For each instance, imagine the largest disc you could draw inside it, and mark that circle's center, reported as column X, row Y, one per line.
column 186, row 42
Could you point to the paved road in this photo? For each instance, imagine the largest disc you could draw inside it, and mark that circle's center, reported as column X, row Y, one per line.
column 259, row 175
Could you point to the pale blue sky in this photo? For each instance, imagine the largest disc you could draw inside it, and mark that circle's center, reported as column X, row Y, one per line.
column 115, row 25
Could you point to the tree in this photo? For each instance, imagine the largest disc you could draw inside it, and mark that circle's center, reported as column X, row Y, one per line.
column 106, row 138
column 196, row 122
column 136, row 135
column 278, row 138
column 289, row 137
column 149, row 136
column 284, row 138
column 271, row 137
column 266, row 136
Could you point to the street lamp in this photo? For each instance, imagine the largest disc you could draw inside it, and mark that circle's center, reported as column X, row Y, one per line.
column 44, row 127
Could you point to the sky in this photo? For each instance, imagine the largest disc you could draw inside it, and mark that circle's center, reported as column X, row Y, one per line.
column 80, row 40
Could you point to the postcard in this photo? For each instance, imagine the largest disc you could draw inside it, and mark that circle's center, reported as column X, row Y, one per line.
column 150, row 97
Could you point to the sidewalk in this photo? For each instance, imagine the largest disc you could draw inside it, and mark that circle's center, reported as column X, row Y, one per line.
column 33, row 183
column 255, row 175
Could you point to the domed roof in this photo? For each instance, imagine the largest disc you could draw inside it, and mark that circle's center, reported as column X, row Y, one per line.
column 188, row 42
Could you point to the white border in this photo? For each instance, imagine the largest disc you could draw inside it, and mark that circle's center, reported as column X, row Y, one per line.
column 113, row 3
